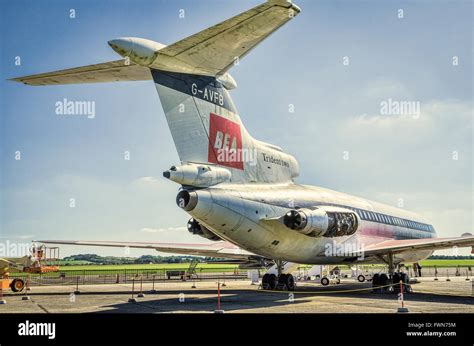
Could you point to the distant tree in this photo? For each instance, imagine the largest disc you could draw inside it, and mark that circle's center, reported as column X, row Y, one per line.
column 145, row 259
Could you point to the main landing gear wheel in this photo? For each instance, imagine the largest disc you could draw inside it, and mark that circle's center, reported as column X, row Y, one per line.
column 284, row 281
column 375, row 280
column 287, row 280
column 269, row 281
column 17, row 285
column 383, row 279
column 290, row 282
column 403, row 277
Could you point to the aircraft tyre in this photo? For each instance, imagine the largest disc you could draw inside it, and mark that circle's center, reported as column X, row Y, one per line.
column 375, row 280
column 290, row 282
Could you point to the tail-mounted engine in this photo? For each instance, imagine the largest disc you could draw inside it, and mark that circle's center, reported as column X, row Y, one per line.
column 322, row 221
column 195, row 227
column 197, row 175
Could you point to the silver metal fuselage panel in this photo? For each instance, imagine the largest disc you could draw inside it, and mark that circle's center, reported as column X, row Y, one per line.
column 241, row 213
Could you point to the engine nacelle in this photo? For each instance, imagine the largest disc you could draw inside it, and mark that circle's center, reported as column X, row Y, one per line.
column 195, row 227
column 322, row 222
column 197, row 175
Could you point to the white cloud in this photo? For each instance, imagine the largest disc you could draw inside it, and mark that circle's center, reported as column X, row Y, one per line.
column 384, row 87
column 433, row 114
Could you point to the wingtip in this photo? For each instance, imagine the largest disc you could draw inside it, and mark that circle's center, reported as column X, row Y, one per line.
column 285, row 3
column 17, row 79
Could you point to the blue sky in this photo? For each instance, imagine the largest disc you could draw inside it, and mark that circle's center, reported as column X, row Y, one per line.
column 337, row 110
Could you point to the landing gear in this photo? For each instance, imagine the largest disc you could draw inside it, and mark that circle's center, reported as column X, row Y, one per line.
column 284, row 282
column 391, row 283
column 403, row 277
column 269, row 281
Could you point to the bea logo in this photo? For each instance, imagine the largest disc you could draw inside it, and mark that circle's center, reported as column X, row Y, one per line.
column 225, row 142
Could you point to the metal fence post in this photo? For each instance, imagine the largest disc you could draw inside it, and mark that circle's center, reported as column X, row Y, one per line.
column 153, row 287
column 77, row 286
column 141, row 295
column 25, row 297
column 132, row 299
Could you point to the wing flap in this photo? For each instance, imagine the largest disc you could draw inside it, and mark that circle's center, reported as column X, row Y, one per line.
column 112, row 71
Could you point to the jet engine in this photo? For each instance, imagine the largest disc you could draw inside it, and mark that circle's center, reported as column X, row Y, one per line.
column 321, row 222
column 195, row 227
column 198, row 175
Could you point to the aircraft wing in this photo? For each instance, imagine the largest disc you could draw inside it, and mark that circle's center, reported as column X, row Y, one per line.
column 218, row 249
column 397, row 246
column 214, row 50
column 112, row 71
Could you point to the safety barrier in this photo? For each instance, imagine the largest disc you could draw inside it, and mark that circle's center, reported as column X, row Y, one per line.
column 111, row 276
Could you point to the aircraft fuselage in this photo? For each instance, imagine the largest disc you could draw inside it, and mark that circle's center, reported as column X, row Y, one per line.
column 247, row 215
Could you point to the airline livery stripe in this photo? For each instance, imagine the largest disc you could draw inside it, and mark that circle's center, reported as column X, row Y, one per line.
column 202, row 87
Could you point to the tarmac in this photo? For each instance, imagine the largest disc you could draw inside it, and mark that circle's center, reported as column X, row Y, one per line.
column 429, row 296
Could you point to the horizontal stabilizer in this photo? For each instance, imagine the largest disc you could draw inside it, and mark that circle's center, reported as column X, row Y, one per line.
column 210, row 52
column 112, row 71
column 214, row 50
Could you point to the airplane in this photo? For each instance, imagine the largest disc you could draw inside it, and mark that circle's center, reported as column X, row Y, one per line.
column 241, row 192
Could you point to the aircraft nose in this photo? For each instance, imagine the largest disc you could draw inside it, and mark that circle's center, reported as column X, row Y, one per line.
column 122, row 46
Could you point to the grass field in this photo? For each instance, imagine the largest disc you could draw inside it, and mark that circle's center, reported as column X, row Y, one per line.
column 444, row 263
column 149, row 269
column 204, row 267
column 216, row 267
